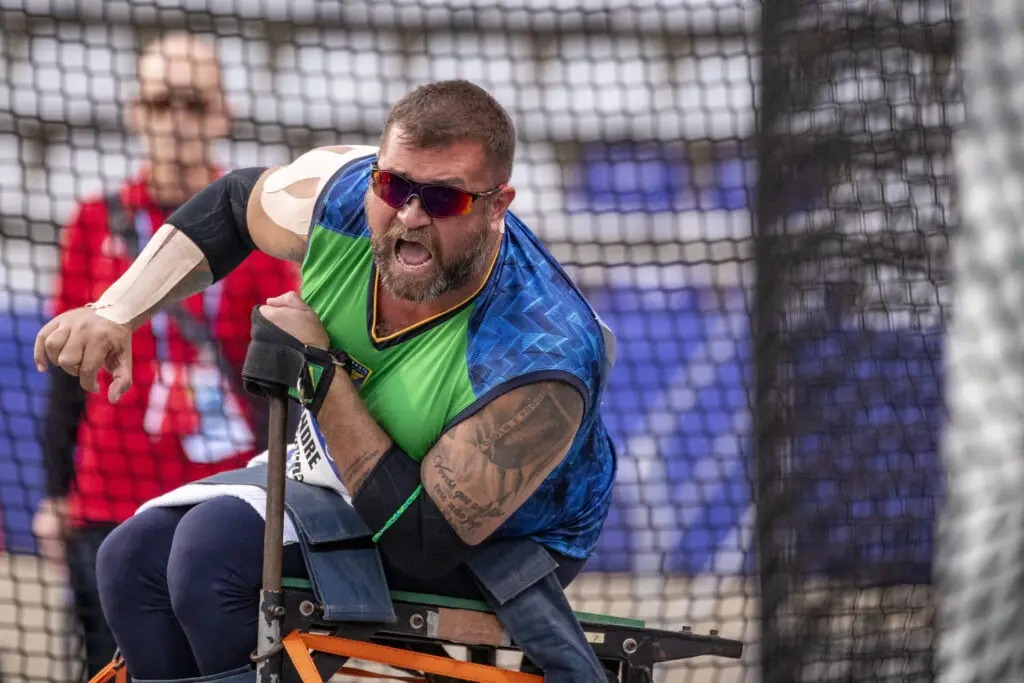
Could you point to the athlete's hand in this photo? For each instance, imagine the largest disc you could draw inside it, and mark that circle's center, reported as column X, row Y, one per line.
column 294, row 316
column 82, row 342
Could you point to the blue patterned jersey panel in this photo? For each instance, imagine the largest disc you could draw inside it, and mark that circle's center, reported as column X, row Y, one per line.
column 341, row 206
column 532, row 323
column 530, row 305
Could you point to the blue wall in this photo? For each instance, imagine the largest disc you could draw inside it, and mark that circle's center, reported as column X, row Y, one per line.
column 22, row 403
column 865, row 479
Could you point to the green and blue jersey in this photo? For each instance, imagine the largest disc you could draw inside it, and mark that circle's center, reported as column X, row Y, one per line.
column 527, row 323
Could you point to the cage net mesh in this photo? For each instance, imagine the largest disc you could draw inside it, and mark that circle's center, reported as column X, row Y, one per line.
column 633, row 166
column 814, row 389
column 860, row 101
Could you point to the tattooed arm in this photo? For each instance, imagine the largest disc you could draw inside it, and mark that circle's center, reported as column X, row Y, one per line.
column 476, row 475
column 482, row 469
column 468, row 484
column 485, row 467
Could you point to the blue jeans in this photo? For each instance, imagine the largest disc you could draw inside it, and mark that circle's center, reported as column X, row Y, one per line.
column 180, row 591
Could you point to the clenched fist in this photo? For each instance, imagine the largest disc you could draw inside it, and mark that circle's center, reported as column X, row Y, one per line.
column 294, row 316
column 81, row 342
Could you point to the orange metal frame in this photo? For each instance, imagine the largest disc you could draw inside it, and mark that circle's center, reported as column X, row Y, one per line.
column 298, row 645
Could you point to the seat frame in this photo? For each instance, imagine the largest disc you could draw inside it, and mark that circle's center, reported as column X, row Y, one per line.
column 625, row 646
column 291, row 622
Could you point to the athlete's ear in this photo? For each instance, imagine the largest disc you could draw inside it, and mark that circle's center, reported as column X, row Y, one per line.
column 498, row 206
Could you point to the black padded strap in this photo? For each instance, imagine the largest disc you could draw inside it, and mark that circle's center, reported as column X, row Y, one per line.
column 276, row 362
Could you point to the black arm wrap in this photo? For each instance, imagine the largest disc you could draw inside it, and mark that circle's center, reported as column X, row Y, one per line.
column 215, row 220
column 421, row 542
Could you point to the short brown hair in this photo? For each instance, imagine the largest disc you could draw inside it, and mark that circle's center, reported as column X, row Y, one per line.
column 443, row 113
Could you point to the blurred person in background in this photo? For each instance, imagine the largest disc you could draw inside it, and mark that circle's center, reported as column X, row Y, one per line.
column 186, row 417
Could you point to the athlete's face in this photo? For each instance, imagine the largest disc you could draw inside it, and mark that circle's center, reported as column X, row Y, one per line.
column 419, row 257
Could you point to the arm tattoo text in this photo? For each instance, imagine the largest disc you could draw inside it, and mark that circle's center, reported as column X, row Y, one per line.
column 482, row 470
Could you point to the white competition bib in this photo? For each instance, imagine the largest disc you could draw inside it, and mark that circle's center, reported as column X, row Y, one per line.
column 193, row 402
column 308, row 459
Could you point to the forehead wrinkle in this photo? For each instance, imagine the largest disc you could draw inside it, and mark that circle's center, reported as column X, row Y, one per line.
column 395, row 142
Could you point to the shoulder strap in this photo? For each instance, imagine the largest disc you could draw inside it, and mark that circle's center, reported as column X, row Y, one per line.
column 122, row 224
column 119, row 222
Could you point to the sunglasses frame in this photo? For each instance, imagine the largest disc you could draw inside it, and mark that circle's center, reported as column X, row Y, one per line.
column 416, row 190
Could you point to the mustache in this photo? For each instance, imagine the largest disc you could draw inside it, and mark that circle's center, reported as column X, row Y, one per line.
column 398, row 231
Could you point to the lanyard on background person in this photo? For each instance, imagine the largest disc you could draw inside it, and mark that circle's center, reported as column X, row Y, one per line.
column 144, row 230
column 193, row 401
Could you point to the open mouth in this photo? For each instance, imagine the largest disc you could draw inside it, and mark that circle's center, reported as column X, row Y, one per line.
column 412, row 255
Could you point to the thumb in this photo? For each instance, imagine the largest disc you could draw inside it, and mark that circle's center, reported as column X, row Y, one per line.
column 288, row 300
column 121, row 368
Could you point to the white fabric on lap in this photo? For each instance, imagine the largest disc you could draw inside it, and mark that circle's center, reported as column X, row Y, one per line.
column 308, row 462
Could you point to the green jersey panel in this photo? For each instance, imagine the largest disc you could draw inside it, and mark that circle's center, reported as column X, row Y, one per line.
column 423, row 376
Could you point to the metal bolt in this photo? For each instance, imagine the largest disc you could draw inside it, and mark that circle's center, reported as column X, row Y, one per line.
column 277, row 611
column 629, row 646
column 306, row 608
column 416, row 621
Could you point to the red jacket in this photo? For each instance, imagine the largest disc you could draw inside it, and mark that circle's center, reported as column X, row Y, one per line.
column 120, row 465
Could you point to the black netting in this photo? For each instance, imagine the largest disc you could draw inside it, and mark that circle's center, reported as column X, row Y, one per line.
column 814, row 389
column 859, row 108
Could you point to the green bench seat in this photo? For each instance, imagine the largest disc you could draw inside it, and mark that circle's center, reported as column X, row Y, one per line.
column 626, row 647
column 474, row 605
